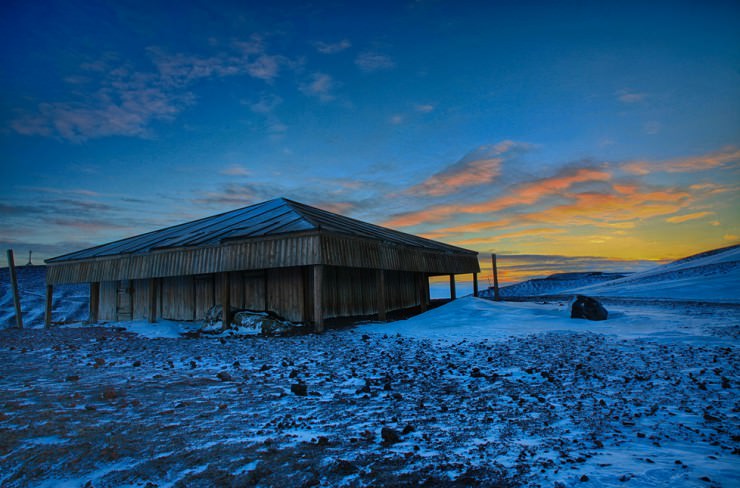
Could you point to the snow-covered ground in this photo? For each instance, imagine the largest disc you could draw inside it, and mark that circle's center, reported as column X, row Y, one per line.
column 472, row 393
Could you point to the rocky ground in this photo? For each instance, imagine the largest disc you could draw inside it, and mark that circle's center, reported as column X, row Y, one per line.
column 110, row 408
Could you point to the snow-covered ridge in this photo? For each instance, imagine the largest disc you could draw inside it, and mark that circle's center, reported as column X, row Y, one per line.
column 711, row 276
column 555, row 284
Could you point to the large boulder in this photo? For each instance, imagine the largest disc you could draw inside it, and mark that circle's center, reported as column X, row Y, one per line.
column 261, row 323
column 588, row 308
column 248, row 322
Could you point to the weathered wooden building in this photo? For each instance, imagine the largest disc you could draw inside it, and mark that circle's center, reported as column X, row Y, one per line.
column 300, row 262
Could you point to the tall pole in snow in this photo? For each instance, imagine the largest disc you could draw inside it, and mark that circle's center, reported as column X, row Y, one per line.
column 14, row 285
column 496, row 295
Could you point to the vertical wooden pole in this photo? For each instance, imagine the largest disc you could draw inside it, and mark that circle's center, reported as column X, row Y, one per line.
column 380, row 280
column 92, row 316
column 475, row 284
column 423, row 289
column 49, row 299
column 225, row 300
column 496, row 295
column 318, row 309
column 14, row 285
column 453, row 292
column 152, row 316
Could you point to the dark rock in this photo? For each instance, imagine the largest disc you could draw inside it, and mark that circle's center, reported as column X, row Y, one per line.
column 588, row 308
column 109, row 393
column 72, row 377
column 224, row 376
column 345, row 467
column 390, row 436
column 136, row 364
column 584, row 478
column 408, row 429
column 299, row 389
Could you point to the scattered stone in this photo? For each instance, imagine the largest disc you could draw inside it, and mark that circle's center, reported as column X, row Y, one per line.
column 224, row 376
column 710, row 418
column 390, row 436
column 99, row 362
column 322, row 441
column 408, row 429
column 300, row 389
column 588, row 308
column 110, row 393
column 136, row 364
column 345, row 467
column 584, row 478
column 72, row 377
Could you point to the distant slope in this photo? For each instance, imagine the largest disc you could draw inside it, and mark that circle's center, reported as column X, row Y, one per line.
column 712, row 276
column 554, row 284
column 70, row 301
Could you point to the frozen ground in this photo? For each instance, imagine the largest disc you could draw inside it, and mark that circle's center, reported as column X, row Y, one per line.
column 473, row 393
column 518, row 396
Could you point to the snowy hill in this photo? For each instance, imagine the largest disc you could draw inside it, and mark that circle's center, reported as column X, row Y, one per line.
column 712, row 276
column 70, row 301
column 555, row 284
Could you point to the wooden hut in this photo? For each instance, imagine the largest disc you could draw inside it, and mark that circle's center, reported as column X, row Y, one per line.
column 300, row 262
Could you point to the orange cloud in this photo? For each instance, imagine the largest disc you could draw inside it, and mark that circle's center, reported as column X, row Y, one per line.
column 605, row 208
column 478, row 168
column 509, row 235
column 524, row 194
column 468, row 228
column 678, row 219
column 717, row 159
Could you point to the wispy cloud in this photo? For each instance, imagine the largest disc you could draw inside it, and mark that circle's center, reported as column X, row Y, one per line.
column 332, row 48
column 320, row 85
column 424, row 108
column 678, row 219
column 124, row 101
column 235, row 170
column 477, row 168
column 372, row 61
column 630, row 96
column 517, row 195
column 728, row 157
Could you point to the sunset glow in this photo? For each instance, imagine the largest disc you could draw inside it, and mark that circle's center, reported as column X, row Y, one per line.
column 599, row 136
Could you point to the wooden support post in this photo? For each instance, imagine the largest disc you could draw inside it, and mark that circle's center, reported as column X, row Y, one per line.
column 92, row 316
column 153, row 285
column 14, row 285
column 318, row 297
column 225, row 300
column 475, row 284
column 423, row 292
column 496, row 295
column 380, row 280
column 49, row 299
column 453, row 292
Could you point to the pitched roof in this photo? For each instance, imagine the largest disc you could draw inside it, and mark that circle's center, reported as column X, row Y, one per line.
column 271, row 218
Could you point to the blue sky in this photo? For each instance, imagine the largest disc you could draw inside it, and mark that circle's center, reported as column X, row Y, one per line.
column 605, row 130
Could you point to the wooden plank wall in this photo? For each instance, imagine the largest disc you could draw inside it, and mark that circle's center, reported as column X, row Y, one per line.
column 178, row 298
column 352, row 292
column 283, row 252
column 285, row 294
column 108, row 292
column 141, row 299
column 285, row 291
